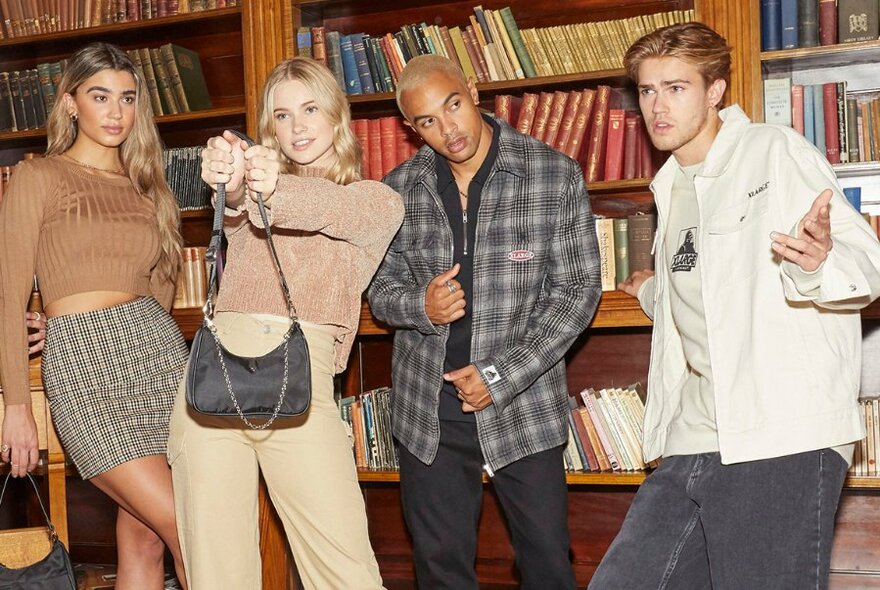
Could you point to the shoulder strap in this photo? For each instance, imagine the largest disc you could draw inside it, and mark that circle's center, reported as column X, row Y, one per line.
column 214, row 246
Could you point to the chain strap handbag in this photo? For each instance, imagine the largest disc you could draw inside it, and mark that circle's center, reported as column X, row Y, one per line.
column 219, row 383
column 52, row 572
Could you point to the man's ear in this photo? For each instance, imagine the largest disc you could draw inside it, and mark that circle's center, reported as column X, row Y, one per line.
column 472, row 89
column 716, row 92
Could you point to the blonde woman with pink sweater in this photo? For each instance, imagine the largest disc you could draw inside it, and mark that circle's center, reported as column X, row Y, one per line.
column 331, row 230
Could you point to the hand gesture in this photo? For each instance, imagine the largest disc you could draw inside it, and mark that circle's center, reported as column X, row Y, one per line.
column 35, row 321
column 223, row 163
column 813, row 242
column 634, row 281
column 444, row 298
column 261, row 165
column 470, row 387
column 19, row 439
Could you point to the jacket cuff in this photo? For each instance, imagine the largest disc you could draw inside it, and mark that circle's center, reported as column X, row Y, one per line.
column 498, row 387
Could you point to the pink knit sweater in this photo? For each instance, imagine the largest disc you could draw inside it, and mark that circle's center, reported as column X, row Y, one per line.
column 330, row 240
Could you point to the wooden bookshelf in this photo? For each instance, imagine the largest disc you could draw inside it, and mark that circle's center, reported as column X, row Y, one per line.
column 827, row 56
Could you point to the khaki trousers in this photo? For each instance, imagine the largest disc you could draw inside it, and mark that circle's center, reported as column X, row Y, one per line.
column 306, row 462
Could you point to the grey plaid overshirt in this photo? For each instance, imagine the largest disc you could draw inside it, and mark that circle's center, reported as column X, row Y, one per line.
column 536, row 287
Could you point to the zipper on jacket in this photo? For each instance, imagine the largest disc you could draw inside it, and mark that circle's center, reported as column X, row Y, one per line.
column 464, row 220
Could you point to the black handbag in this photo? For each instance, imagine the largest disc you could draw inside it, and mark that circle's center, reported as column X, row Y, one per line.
column 53, row 572
column 219, row 383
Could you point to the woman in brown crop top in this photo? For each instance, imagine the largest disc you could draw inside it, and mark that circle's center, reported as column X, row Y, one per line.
column 331, row 230
column 97, row 224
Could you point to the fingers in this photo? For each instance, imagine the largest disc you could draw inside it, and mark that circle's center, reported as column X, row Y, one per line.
column 821, row 202
column 807, row 254
column 262, row 167
column 448, row 275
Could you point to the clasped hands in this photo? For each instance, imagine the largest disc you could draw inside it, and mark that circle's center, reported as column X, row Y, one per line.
column 444, row 304
column 227, row 159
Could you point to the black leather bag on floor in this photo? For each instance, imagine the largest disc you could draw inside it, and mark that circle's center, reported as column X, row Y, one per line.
column 53, row 572
column 220, row 383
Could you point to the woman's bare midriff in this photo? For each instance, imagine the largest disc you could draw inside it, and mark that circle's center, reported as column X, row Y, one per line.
column 88, row 301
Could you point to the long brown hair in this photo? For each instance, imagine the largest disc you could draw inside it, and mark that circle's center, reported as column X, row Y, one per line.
column 332, row 103
column 140, row 153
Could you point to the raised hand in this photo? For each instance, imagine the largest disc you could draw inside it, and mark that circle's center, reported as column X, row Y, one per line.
column 810, row 247
column 223, row 163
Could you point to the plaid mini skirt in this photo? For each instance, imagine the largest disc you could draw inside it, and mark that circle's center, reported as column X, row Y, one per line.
column 111, row 376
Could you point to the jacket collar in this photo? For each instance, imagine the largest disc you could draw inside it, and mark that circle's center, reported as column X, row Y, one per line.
column 511, row 156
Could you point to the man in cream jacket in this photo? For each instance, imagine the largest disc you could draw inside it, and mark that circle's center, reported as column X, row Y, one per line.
column 762, row 268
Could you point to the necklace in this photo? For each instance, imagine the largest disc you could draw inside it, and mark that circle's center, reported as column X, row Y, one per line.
column 463, row 194
column 119, row 170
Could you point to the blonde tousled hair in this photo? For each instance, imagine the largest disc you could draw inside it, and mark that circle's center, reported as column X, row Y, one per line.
column 140, row 153
column 333, row 105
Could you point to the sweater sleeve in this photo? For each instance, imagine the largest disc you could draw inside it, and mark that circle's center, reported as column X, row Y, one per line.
column 21, row 218
column 366, row 213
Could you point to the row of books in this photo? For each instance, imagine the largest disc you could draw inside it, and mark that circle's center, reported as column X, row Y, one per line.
column 790, row 24
column 625, row 245
column 183, row 172
column 843, row 124
column 21, row 18
column 368, row 420
column 866, row 451
column 27, row 96
column 490, row 48
column 605, row 430
column 385, row 143
column 589, row 125
column 174, row 78
column 192, row 279
column 173, row 75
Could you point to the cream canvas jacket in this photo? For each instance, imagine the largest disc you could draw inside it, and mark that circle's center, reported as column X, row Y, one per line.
column 785, row 345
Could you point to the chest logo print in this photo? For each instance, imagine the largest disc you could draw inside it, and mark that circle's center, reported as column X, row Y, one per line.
column 520, row 255
column 685, row 258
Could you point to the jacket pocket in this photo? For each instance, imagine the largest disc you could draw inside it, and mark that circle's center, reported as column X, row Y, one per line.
column 738, row 241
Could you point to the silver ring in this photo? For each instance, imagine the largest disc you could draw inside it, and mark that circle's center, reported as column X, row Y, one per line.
column 4, row 448
column 39, row 316
column 450, row 286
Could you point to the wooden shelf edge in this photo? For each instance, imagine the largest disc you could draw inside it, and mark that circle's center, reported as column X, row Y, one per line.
column 602, row 479
column 213, row 14
column 805, row 52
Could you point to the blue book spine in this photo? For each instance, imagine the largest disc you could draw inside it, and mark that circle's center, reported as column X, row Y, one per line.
column 819, row 116
column 789, row 19
column 363, row 66
column 771, row 25
column 349, row 66
column 809, row 133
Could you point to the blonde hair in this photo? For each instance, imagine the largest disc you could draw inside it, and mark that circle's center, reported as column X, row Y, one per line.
column 421, row 67
column 140, row 153
column 692, row 42
column 333, row 105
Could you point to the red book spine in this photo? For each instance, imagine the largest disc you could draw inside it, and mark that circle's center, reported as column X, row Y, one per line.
column 797, row 107
column 575, row 144
column 401, row 141
column 526, row 118
column 828, row 22
column 388, row 143
column 319, row 45
column 595, row 153
column 614, row 145
column 542, row 115
column 391, row 57
column 374, row 138
column 631, row 145
column 557, row 108
column 832, row 142
column 502, row 107
column 362, row 132
column 472, row 46
column 572, row 103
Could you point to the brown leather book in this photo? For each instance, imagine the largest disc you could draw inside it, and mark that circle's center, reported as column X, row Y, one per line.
column 527, row 113
column 557, row 108
column 575, row 144
column 542, row 115
column 567, row 123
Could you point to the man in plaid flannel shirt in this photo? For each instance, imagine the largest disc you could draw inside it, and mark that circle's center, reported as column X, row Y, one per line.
column 492, row 276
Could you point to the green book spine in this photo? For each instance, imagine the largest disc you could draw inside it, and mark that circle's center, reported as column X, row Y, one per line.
column 516, row 40
column 621, row 257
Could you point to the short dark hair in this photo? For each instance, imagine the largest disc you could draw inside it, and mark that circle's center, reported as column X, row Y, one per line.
column 692, row 42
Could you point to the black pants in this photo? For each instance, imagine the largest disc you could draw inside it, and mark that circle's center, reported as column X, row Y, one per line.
column 441, row 504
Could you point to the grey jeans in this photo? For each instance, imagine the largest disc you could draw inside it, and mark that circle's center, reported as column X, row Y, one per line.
column 697, row 524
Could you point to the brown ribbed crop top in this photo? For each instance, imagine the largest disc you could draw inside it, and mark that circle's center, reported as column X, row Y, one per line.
column 78, row 232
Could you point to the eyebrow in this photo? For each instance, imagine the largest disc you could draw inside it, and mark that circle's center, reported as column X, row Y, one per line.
column 305, row 104
column 667, row 83
column 452, row 95
column 108, row 91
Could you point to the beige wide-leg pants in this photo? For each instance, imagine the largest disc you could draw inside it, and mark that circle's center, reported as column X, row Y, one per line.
column 308, row 467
